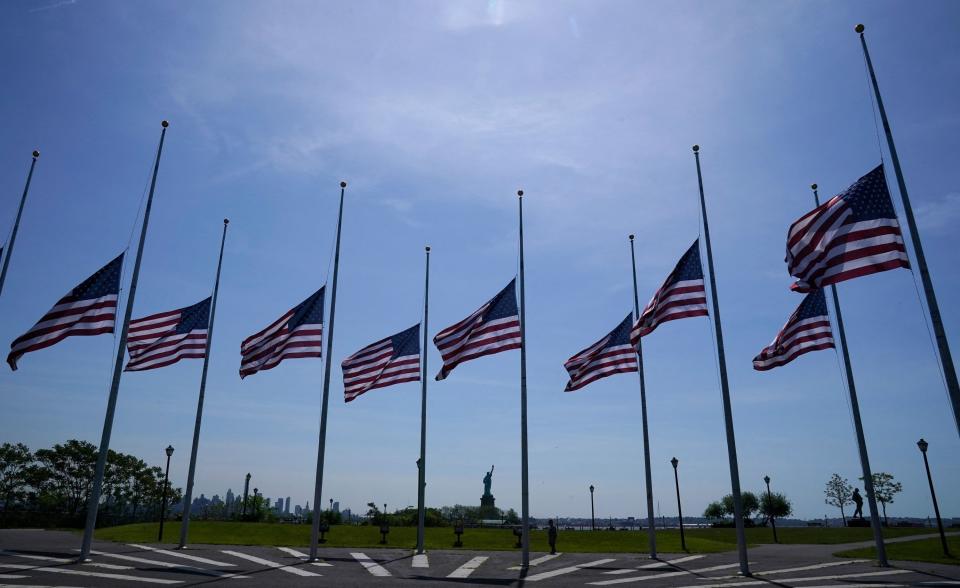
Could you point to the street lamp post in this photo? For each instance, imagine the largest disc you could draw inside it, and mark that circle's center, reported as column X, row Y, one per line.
column 676, row 481
column 246, row 494
column 256, row 504
column 593, row 518
column 936, row 508
column 163, row 503
column 773, row 523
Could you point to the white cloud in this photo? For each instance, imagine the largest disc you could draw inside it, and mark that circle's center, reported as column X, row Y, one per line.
column 940, row 215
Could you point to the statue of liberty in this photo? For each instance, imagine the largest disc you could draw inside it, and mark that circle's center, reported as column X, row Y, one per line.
column 487, row 482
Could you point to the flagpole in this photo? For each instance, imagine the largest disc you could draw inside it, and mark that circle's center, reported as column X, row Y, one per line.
column 724, row 384
column 524, row 464
column 93, row 504
column 857, row 424
column 943, row 346
column 651, row 530
column 317, row 491
column 422, row 462
column 188, row 496
column 16, row 224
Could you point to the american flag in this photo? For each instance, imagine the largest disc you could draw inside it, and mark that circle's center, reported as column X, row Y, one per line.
column 682, row 295
column 807, row 330
column 163, row 339
column 298, row 333
column 389, row 361
column 495, row 327
column 853, row 234
column 88, row 309
column 614, row 354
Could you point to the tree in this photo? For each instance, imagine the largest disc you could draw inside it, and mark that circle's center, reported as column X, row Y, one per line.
column 839, row 493
column 724, row 507
column 884, row 490
column 15, row 461
column 66, row 473
column 715, row 510
column 775, row 505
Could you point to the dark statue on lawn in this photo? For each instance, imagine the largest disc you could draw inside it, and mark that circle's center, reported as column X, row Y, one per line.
column 488, row 509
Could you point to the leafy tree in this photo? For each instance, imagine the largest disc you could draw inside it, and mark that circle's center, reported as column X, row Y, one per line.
column 885, row 488
column 715, row 510
column 724, row 507
column 511, row 517
column 775, row 505
column 66, row 474
column 839, row 493
column 15, row 462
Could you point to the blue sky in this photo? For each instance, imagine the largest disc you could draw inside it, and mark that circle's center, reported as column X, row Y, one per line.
column 436, row 113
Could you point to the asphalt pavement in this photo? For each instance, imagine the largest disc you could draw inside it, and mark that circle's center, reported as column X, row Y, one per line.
column 48, row 558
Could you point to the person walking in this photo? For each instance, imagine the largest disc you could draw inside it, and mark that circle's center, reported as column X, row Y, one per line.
column 552, row 537
column 858, row 500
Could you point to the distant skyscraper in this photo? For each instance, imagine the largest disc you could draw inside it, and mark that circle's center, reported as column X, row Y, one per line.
column 286, row 508
column 336, row 507
column 307, row 507
column 347, row 515
column 278, row 506
column 298, row 510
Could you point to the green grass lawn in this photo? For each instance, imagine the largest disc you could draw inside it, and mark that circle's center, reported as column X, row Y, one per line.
column 668, row 541
column 928, row 550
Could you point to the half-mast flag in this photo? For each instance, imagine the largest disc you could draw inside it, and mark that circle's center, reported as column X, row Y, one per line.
column 682, row 295
column 614, row 354
column 298, row 333
column 493, row 328
column 88, row 309
column 808, row 329
column 163, row 339
column 389, row 361
column 853, row 234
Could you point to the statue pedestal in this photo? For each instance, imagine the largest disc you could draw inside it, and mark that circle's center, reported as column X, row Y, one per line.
column 488, row 509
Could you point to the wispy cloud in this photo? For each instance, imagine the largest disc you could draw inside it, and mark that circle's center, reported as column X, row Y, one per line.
column 940, row 215
column 52, row 6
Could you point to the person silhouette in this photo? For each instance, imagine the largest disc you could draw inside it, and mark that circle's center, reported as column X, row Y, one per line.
column 858, row 500
column 552, row 537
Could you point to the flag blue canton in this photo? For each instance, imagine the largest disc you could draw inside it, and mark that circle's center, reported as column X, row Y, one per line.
column 814, row 304
column 105, row 281
column 406, row 342
column 689, row 266
column 869, row 197
column 194, row 317
column 503, row 304
column 308, row 312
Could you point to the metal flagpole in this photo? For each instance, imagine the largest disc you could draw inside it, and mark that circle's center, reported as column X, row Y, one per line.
column 317, row 491
column 16, row 224
column 651, row 529
column 93, row 504
column 524, row 474
column 188, row 496
column 422, row 462
column 724, row 384
column 857, row 424
column 946, row 360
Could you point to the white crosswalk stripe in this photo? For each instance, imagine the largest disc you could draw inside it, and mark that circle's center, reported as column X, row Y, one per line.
column 12, row 577
column 180, row 554
column 660, row 565
column 304, row 557
column 801, row 580
column 420, row 561
column 371, row 566
column 468, row 568
column 270, row 564
column 660, row 576
column 538, row 561
column 567, row 570
column 172, row 566
column 124, row 577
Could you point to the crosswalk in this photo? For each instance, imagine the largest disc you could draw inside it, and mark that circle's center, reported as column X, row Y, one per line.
column 136, row 564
